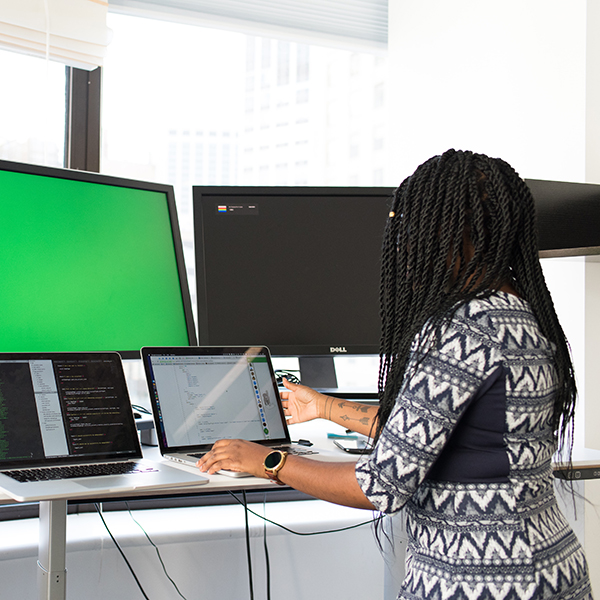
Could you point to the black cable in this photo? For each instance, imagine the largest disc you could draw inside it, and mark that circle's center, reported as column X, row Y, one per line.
column 248, row 553
column 157, row 551
column 266, row 547
column 291, row 376
column 121, row 551
column 348, row 528
column 247, row 510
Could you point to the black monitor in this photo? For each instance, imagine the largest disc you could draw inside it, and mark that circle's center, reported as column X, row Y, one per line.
column 568, row 216
column 89, row 263
column 294, row 268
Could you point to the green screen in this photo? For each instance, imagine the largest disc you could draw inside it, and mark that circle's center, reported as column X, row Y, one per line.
column 86, row 267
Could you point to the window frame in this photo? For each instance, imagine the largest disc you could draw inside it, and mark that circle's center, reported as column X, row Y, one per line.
column 82, row 123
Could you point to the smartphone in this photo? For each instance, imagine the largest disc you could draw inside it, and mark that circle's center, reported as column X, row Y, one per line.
column 354, row 446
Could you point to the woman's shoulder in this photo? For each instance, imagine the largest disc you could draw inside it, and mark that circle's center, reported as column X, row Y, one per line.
column 486, row 320
column 496, row 317
column 493, row 306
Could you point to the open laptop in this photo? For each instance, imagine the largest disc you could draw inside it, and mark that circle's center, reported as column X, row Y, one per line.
column 65, row 416
column 203, row 394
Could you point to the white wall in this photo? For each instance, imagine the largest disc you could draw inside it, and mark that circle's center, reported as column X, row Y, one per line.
column 566, row 281
column 592, row 154
column 502, row 77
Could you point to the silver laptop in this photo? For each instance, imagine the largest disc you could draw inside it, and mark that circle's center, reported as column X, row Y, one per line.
column 203, row 394
column 67, row 429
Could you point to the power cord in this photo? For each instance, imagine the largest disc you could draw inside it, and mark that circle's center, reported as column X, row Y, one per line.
column 157, row 551
column 376, row 519
column 248, row 552
column 98, row 509
column 247, row 510
column 244, row 503
column 266, row 549
column 291, row 376
column 112, row 537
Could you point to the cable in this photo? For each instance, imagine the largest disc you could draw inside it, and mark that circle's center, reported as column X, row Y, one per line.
column 121, row 551
column 289, row 375
column 304, row 533
column 247, row 510
column 266, row 548
column 157, row 551
column 249, row 555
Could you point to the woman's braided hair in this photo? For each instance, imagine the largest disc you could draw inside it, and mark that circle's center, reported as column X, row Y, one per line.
column 461, row 226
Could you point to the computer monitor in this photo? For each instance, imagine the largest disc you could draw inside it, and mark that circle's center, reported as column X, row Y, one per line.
column 568, row 216
column 89, row 263
column 294, row 268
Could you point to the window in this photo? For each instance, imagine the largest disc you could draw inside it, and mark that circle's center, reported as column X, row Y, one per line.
column 33, row 114
column 260, row 91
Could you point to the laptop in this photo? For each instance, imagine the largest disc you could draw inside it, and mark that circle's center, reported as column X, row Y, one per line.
column 64, row 417
column 203, row 394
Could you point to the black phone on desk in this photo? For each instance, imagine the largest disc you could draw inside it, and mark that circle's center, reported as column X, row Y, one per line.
column 354, row 446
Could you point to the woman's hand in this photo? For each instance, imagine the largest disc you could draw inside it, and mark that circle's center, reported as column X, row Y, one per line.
column 301, row 403
column 331, row 481
column 235, row 455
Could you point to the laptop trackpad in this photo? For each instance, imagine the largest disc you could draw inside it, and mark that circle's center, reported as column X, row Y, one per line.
column 108, row 482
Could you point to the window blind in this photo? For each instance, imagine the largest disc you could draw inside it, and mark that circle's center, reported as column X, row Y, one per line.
column 70, row 31
column 361, row 22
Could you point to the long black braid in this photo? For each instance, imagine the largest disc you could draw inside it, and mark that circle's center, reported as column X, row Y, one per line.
column 461, row 226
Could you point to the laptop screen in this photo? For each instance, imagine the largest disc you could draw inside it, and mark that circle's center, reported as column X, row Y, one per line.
column 64, row 408
column 201, row 395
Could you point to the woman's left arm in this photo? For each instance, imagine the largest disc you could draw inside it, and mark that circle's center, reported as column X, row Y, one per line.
column 331, row 481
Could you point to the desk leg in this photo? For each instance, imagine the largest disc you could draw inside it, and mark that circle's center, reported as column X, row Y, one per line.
column 52, row 574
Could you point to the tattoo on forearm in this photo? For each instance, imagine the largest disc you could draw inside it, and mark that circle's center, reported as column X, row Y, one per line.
column 354, row 406
column 346, row 407
column 364, row 421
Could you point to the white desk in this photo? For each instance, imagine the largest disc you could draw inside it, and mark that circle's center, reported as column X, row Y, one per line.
column 53, row 514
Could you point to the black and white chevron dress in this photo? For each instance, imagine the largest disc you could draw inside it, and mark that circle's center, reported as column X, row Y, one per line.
column 467, row 450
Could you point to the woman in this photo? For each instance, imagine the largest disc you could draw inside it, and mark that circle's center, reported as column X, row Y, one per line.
column 476, row 392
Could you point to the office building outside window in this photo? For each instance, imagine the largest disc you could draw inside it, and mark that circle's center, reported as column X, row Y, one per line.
column 212, row 107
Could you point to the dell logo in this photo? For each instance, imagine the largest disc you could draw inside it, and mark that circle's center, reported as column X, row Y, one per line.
column 337, row 349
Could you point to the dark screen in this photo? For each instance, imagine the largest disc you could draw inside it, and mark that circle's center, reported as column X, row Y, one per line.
column 568, row 215
column 64, row 405
column 295, row 269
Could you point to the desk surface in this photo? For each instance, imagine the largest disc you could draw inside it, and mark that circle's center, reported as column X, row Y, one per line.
column 586, row 463
column 221, row 483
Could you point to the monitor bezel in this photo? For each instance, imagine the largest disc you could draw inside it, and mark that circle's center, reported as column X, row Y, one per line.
column 116, row 181
column 304, row 350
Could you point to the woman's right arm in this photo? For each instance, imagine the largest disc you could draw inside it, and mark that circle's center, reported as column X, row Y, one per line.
column 302, row 404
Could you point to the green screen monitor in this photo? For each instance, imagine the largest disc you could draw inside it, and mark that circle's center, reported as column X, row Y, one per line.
column 89, row 262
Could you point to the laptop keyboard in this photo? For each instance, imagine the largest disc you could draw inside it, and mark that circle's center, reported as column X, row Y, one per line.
column 71, row 472
column 297, row 450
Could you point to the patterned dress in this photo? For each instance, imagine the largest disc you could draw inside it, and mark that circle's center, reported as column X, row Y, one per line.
column 467, row 451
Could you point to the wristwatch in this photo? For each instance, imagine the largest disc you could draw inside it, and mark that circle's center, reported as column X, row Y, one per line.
column 273, row 464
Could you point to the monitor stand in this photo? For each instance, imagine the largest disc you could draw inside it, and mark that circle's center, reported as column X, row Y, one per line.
column 318, row 372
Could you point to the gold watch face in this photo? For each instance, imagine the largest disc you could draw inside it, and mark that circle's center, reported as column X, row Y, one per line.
column 273, row 460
